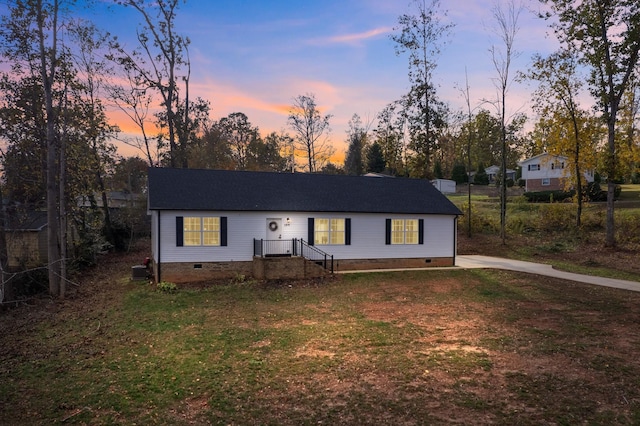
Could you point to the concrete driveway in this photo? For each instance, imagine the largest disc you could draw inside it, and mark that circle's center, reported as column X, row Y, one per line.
column 488, row 262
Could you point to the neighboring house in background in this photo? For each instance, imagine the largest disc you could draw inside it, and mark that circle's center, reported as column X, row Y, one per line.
column 27, row 240
column 115, row 199
column 217, row 224
column 494, row 171
column 445, row 186
column 374, row 174
column 547, row 172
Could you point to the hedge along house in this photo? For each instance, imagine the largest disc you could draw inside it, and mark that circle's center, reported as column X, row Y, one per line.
column 209, row 224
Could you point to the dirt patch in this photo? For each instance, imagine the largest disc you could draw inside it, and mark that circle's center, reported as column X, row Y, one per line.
column 507, row 350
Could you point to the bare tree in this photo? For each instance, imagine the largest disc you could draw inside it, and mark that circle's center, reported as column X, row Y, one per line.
column 156, row 65
column 467, row 98
column 419, row 36
column 311, row 130
column 507, row 29
column 134, row 101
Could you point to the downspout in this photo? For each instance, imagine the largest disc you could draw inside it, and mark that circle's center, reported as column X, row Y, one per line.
column 455, row 238
column 159, row 277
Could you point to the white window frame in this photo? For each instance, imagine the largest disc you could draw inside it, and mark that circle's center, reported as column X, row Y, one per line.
column 329, row 231
column 201, row 231
column 546, row 181
column 405, row 231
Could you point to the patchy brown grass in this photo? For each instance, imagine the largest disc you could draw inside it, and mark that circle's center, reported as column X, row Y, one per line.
column 421, row 347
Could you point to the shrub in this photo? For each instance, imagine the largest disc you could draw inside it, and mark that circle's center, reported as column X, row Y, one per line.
column 481, row 222
column 596, row 193
column 592, row 220
column 548, row 196
column 167, row 287
column 628, row 226
column 520, row 224
column 556, row 217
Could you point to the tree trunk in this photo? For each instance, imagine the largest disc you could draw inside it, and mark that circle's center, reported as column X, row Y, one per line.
column 47, row 74
column 6, row 291
column 610, row 236
column 578, row 170
column 63, row 215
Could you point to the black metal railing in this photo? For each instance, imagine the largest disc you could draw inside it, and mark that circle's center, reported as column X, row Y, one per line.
column 316, row 255
column 293, row 247
column 274, row 248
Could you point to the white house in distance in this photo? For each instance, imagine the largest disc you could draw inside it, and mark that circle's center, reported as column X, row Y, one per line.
column 547, row 172
column 446, row 186
column 494, row 171
column 209, row 224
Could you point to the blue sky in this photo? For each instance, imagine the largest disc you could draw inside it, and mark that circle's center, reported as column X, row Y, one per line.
column 255, row 56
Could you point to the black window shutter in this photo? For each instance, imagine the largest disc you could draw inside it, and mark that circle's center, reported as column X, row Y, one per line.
column 223, row 231
column 387, row 233
column 179, row 231
column 420, row 231
column 347, row 232
column 310, row 231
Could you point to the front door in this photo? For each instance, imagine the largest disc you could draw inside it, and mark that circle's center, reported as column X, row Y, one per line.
column 274, row 229
column 274, row 245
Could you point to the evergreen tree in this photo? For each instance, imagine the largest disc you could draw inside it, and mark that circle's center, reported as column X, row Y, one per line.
column 459, row 173
column 437, row 170
column 353, row 162
column 481, row 177
column 375, row 159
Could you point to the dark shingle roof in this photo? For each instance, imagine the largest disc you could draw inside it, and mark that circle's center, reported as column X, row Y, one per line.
column 221, row 190
column 32, row 220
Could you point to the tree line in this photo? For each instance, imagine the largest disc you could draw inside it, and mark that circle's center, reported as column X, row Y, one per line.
column 62, row 74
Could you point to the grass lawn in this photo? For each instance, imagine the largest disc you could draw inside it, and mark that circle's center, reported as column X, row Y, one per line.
column 432, row 347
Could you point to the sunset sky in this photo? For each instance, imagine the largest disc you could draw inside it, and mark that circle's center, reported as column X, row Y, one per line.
column 255, row 56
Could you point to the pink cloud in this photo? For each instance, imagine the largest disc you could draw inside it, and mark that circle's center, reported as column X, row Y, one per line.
column 357, row 37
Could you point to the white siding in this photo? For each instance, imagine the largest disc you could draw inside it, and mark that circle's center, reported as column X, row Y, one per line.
column 546, row 171
column 367, row 236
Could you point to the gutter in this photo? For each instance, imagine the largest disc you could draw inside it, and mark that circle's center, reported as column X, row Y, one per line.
column 159, row 277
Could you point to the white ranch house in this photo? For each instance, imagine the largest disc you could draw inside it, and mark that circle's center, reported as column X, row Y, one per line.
column 547, row 172
column 209, row 224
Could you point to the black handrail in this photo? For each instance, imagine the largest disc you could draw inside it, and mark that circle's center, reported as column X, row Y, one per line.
column 316, row 255
column 293, row 247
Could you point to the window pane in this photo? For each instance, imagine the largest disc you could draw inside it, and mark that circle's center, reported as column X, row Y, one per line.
column 191, row 223
column 397, row 231
column 191, row 231
column 211, row 238
column 337, row 225
column 337, row 231
column 321, row 235
column 322, row 225
column 211, row 231
column 411, row 234
column 211, row 224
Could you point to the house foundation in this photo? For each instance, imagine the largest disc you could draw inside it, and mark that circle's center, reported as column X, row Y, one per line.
column 285, row 268
column 365, row 264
